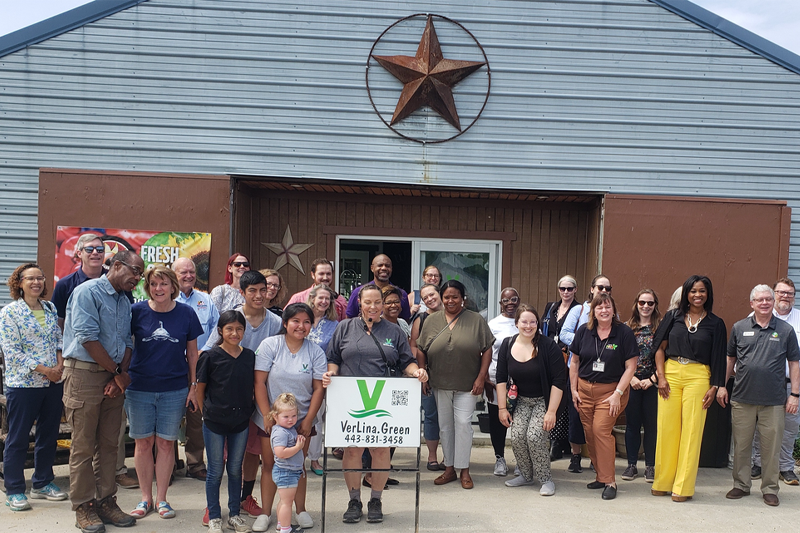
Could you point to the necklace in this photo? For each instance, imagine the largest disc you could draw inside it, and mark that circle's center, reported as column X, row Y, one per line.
column 693, row 327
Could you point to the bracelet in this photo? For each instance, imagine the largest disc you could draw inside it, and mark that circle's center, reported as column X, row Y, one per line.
column 619, row 392
column 502, row 409
column 793, row 395
column 193, row 384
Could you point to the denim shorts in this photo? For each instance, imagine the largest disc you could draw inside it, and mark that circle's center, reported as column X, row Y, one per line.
column 285, row 478
column 155, row 413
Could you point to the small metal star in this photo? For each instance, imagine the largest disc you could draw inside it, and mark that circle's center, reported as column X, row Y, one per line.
column 288, row 251
column 428, row 78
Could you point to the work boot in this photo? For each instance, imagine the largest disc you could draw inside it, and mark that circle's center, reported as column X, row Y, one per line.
column 110, row 513
column 86, row 518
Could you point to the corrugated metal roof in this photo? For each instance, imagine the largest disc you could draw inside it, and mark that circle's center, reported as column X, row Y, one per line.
column 594, row 96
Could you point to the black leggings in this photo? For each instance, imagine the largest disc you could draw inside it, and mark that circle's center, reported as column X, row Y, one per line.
column 497, row 431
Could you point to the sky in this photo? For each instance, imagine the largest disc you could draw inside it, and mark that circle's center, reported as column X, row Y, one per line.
column 775, row 20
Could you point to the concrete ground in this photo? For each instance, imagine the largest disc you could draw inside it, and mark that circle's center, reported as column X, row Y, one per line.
column 489, row 507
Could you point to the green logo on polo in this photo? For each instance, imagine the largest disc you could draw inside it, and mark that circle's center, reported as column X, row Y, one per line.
column 370, row 401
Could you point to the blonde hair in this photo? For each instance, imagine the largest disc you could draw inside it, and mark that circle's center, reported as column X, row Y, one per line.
column 164, row 273
column 284, row 402
column 330, row 314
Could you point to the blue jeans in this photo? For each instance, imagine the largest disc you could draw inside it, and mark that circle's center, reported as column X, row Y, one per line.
column 215, row 454
column 431, row 421
column 26, row 406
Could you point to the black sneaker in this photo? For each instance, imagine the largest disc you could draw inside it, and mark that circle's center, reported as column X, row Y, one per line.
column 353, row 513
column 630, row 473
column 374, row 511
column 575, row 464
column 649, row 473
column 755, row 472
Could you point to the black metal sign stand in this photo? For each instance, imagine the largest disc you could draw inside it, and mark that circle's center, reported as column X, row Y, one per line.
column 325, row 472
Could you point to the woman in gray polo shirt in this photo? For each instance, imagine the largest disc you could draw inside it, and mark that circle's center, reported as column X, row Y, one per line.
column 356, row 350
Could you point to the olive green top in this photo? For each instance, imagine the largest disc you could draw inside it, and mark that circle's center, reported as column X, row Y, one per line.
column 454, row 357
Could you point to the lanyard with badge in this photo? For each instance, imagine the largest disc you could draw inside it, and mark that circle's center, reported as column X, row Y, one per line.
column 599, row 365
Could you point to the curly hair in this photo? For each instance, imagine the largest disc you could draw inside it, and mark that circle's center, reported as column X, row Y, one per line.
column 15, row 281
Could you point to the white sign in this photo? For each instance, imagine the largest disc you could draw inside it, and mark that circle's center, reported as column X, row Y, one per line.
column 373, row 412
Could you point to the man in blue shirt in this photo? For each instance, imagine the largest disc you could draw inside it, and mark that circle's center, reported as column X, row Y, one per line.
column 97, row 353
column 208, row 315
column 90, row 250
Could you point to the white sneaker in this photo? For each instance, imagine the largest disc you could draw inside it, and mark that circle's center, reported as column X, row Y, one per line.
column 261, row 523
column 548, row 489
column 516, row 471
column 215, row 525
column 500, row 467
column 518, row 481
column 304, row 520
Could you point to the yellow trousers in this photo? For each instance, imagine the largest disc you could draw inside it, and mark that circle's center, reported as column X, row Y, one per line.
column 681, row 419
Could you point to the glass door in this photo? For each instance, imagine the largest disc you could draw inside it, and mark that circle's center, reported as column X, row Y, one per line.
column 474, row 263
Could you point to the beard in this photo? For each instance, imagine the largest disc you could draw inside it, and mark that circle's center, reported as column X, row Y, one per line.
column 783, row 308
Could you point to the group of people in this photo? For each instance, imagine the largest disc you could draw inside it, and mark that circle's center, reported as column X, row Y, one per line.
column 250, row 375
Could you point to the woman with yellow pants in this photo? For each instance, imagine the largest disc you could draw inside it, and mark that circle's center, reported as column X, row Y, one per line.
column 690, row 365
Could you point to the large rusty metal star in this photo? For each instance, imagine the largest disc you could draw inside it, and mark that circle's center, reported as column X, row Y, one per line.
column 428, row 78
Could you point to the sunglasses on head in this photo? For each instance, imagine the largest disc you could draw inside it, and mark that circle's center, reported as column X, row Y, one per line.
column 603, row 288
column 644, row 303
column 566, row 289
column 241, row 264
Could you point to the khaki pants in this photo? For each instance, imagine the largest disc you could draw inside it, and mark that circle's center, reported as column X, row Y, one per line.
column 769, row 419
column 598, row 425
column 95, row 421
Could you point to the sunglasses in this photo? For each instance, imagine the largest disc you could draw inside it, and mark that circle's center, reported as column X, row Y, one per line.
column 92, row 249
column 241, row 264
column 603, row 288
column 643, row 303
column 566, row 289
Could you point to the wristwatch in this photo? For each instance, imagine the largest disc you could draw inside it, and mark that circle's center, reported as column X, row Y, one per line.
column 619, row 392
column 118, row 370
column 794, row 395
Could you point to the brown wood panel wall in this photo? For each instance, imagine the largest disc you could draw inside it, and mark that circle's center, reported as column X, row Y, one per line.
column 550, row 239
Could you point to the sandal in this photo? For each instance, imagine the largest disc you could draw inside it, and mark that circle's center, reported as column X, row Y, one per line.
column 142, row 509
column 338, row 453
column 165, row 511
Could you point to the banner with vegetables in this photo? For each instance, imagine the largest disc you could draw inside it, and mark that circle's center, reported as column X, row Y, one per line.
column 155, row 248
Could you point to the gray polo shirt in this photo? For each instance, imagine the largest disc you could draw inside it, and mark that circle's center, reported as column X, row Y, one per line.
column 761, row 355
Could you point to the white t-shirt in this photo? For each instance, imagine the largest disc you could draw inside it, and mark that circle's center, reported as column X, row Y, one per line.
column 793, row 319
column 501, row 327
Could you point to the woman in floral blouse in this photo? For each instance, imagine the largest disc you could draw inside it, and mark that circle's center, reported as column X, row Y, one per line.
column 31, row 342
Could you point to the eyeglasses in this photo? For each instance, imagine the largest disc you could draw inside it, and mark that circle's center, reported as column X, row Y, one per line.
column 271, row 285
column 785, row 293
column 92, row 249
column 138, row 272
column 33, row 278
column 393, row 302
column 644, row 303
column 512, row 300
column 238, row 264
column 603, row 288
column 763, row 300
column 566, row 289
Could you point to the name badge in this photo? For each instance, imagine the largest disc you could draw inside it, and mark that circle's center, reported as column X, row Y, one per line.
column 598, row 366
column 748, row 333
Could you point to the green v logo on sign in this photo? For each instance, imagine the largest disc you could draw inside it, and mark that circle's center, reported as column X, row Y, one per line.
column 370, row 401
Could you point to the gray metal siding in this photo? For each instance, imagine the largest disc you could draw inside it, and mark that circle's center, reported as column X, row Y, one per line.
column 619, row 96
